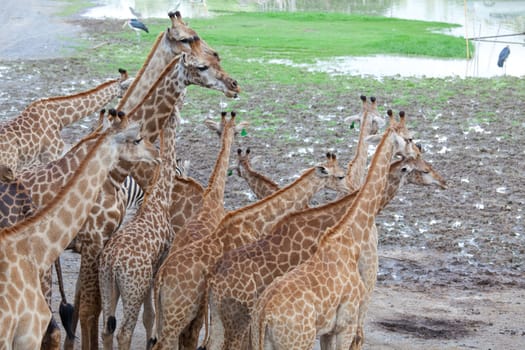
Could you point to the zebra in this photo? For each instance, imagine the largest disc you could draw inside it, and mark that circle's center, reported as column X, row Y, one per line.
column 134, row 194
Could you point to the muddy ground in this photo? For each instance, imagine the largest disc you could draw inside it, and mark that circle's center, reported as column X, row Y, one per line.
column 451, row 261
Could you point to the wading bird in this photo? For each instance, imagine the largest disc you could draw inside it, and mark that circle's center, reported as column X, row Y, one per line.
column 137, row 26
column 503, row 55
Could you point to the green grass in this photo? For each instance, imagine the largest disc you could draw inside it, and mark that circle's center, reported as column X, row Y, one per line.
column 246, row 41
column 73, row 7
column 304, row 37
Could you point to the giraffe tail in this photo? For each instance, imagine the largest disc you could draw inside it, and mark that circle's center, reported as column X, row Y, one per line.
column 66, row 310
column 207, row 318
column 157, row 290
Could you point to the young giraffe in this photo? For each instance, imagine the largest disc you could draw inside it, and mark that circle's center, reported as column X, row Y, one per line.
column 323, row 295
column 152, row 226
column 292, row 241
column 261, row 185
column 356, row 169
column 157, row 105
column 212, row 207
column 31, row 246
column 180, row 286
column 34, row 136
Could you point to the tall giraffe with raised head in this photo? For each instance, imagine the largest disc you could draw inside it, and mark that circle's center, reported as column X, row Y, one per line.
column 180, row 287
column 356, row 169
column 32, row 245
column 322, row 297
column 34, row 137
column 156, row 106
column 292, row 241
column 173, row 41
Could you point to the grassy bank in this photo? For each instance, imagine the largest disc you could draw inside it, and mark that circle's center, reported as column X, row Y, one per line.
column 246, row 41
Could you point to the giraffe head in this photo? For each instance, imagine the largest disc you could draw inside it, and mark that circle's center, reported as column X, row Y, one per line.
column 333, row 173
column 182, row 39
column 243, row 161
column 132, row 147
column 403, row 142
column 377, row 121
column 218, row 127
column 423, row 173
column 6, row 174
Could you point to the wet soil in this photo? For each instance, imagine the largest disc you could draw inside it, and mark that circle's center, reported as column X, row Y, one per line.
column 451, row 261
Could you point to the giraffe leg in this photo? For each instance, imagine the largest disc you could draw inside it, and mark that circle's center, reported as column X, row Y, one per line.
column 131, row 304
column 51, row 339
column 90, row 304
column 190, row 337
column 69, row 343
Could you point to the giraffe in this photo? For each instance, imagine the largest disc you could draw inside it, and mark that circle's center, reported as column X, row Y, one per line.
column 155, row 107
column 261, row 185
column 34, row 137
column 212, row 208
column 132, row 255
column 175, row 40
column 30, row 246
column 180, row 286
column 292, row 241
column 16, row 204
column 323, row 296
column 45, row 181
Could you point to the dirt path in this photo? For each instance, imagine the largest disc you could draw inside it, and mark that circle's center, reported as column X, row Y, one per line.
column 30, row 29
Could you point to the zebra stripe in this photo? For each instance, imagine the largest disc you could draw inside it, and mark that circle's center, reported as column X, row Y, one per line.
column 135, row 194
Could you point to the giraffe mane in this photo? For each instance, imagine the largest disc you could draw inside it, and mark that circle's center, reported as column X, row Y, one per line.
column 80, row 94
column 132, row 86
column 154, row 86
column 215, row 174
column 156, row 175
column 334, row 231
column 40, row 214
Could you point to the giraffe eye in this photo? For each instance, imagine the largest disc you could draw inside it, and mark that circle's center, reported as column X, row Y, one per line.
column 202, row 68
column 137, row 141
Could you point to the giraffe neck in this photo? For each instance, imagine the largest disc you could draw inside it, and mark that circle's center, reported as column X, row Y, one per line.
column 258, row 218
column 164, row 184
column 395, row 180
column 360, row 217
column 158, row 104
column 54, row 226
column 157, row 59
column 259, row 184
column 214, row 193
column 72, row 108
column 46, row 181
column 355, row 173
column 16, row 203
